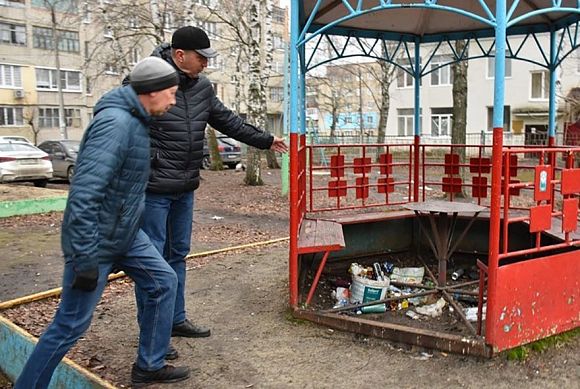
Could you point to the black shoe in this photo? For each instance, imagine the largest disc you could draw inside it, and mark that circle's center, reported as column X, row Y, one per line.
column 189, row 330
column 171, row 353
column 167, row 374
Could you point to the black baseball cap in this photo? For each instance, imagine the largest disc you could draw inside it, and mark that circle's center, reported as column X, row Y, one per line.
column 193, row 38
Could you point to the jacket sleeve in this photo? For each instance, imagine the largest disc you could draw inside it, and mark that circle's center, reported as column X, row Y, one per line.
column 227, row 122
column 101, row 156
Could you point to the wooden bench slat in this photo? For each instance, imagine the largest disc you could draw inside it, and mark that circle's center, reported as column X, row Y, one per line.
column 320, row 235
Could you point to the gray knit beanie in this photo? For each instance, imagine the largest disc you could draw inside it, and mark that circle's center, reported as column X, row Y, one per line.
column 152, row 74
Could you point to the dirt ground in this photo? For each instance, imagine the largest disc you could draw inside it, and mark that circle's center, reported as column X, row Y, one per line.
column 242, row 296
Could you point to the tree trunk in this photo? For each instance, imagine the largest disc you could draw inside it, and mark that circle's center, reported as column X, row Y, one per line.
column 386, row 78
column 212, row 144
column 272, row 160
column 458, row 130
column 256, row 94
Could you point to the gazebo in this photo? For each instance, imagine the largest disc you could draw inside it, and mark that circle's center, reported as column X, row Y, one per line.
column 525, row 241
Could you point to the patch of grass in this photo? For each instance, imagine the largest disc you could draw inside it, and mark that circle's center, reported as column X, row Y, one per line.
column 290, row 318
column 521, row 353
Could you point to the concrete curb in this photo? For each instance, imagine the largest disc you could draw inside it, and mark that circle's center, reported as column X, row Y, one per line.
column 16, row 345
column 28, row 207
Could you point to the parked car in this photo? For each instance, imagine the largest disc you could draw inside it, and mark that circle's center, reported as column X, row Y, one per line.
column 14, row 138
column 20, row 161
column 63, row 155
column 229, row 150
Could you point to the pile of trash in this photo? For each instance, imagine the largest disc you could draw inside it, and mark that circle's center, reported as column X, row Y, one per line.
column 375, row 283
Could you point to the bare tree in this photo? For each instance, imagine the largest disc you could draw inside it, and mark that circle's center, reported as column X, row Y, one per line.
column 458, row 129
column 62, row 13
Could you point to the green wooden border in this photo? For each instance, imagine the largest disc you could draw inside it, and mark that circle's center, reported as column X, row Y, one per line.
column 28, row 207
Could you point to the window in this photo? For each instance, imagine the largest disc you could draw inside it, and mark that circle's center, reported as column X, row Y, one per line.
column 441, row 120
column 11, row 116
column 491, row 66
column 213, row 63
column 135, row 55
column 278, row 14
column 111, row 69
column 506, row 118
column 276, row 94
column 210, row 28
column 278, row 67
column 48, row 117
column 405, row 79
column 540, row 85
column 10, row 76
column 72, row 117
column 13, row 3
column 443, row 74
column 71, row 6
column 86, row 11
column 12, row 34
column 406, row 121
column 370, row 120
column 88, row 86
column 70, row 81
column 108, row 32
column 278, row 42
column 168, row 21
column 67, row 40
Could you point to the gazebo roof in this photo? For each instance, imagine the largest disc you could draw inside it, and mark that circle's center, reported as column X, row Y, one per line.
column 430, row 19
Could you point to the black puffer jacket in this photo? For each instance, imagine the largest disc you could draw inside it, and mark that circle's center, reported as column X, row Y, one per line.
column 177, row 136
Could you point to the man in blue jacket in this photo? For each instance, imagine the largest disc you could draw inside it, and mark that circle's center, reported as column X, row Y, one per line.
column 176, row 156
column 101, row 230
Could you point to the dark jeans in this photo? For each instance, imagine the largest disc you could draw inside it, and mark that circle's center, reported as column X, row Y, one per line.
column 143, row 264
column 167, row 220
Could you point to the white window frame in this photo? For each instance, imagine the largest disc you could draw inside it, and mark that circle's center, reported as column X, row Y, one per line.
column 544, row 83
column 48, row 121
column 408, row 79
column 276, row 94
column 72, row 117
column 442, row 73
column 490, row 70
column 11, row 31
column 17, row 114
column 10, row 76
column 408, row 119
column 51, row 82
column 440, row 117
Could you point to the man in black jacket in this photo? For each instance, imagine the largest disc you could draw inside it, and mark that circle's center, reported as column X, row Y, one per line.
column 176, row 155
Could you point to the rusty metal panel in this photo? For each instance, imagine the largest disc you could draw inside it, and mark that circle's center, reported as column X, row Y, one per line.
column 535, row 299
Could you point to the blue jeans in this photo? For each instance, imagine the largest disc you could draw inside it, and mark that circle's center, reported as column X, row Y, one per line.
column 143, row 264
column 167, row 220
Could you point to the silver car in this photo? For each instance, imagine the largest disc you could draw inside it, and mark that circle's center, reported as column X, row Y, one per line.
column 20, row 161
column 63, row 155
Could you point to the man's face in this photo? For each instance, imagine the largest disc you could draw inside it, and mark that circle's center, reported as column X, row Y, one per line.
column 161, row 101
column 190, row 62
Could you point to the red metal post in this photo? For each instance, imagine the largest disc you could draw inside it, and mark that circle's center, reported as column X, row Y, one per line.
column 416, row 169
column 494, row 234
column 294, row 219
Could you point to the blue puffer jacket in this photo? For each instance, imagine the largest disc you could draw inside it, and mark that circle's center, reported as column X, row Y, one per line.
column 106, row 196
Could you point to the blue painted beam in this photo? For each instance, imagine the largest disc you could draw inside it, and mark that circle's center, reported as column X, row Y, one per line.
column 15, row 347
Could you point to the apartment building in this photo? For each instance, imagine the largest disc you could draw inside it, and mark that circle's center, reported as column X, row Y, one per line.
column 526, row 95
column 97, row 43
